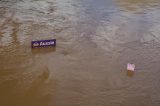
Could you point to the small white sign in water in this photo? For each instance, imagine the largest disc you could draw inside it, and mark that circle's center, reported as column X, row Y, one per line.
column 130, row 67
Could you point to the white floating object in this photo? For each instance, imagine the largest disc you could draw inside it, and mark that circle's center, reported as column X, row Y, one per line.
column 130, row 67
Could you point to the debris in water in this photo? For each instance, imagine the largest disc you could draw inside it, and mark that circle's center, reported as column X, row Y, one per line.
column 43, row 43
column 130, row 67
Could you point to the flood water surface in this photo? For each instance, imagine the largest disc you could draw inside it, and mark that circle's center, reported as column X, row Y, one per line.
column 95, row 41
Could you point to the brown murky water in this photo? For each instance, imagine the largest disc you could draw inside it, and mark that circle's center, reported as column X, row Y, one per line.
column 95, row 41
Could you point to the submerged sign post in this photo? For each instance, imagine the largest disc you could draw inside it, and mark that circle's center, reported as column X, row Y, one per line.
column 43, row 43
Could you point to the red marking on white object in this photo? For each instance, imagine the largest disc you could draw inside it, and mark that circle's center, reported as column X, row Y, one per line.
column 130, row 67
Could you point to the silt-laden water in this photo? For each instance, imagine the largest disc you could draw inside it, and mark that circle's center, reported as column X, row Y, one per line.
column 95, row 41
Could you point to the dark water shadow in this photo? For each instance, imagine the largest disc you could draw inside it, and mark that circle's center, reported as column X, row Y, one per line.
column 43, row 50
column 130, row 73
column 33, row 95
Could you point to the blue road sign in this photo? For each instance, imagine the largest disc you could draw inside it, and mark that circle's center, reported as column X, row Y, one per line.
column 43, row 43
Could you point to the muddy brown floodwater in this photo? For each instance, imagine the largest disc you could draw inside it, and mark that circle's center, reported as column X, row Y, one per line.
column 95, row 41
